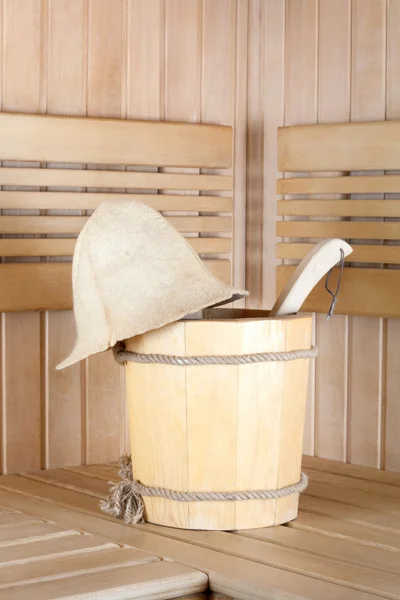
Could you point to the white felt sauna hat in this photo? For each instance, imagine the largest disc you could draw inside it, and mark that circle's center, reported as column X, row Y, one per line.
column 133, row 272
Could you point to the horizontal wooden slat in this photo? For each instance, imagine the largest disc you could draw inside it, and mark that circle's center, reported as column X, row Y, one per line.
column 45, row 549
column 47, row 286
column 67, row 224
column 65, row 246
column 339, row 147
column 339, row 208
column 355, row 471
column 31, row 532
column 162, row 580
column 71, row 565
column 363, row 184
column 114, row 141
column 376, row 291
column 358, row 533
column 339, row 229
column 87, row 201
column 114, row 179
column 369, row 254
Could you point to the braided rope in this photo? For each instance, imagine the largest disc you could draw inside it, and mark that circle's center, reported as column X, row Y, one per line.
column 123, row 356
column 126, row 497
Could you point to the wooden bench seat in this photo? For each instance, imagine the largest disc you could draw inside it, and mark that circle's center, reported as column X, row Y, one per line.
column 345, row 543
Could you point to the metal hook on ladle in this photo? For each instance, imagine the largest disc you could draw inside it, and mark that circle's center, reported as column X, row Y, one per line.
column 336, row 292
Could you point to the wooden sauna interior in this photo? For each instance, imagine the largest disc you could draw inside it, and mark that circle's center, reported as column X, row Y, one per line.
column 253, row 65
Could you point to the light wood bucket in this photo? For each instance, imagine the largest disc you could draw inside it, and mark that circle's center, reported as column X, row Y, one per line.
column 220, row 427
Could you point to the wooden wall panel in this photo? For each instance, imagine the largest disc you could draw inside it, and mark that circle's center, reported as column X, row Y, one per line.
column 24, row 39
column 106, row 97
column 301, row 69
column 65, row 401
column 333, row 106
column 368, row 87
column 390, row 369
column 255, row 64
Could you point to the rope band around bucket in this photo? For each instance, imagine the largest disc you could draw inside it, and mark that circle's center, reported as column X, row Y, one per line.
column 122, row 356
column 126, row 497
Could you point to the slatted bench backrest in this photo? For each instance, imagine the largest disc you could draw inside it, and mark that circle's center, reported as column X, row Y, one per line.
column 56, row 170
column 341, row 180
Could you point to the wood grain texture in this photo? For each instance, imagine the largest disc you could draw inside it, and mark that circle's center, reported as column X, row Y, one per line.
column 354, row 555
column 256, row 414
column 64, row 397
column 105, row 407
column 362, row 253
column 274, row 107
column 375, row 288
column 304, row 77
column 300, row 106
column 390, row 458
column 22, row 419
column 255, row 143
column 365, row 335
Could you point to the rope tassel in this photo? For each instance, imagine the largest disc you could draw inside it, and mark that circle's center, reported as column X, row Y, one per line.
column 124, row 502
column 126, row 497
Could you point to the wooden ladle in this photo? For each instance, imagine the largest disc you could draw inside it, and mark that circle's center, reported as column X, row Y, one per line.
column 312, row 268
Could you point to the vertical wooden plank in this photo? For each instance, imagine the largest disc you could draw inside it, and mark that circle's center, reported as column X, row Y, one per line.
column 218, row 68
column 301, row 58
column 212, row 390
column 260, row 405
column 158, row 415
column 67, row 63
column 255, row 162
column 240, row 149
column 365, row 345
column 183, row 63
column 145, row 66
column 333, row 106
column 106, row 83
column 298, row 335
column 391, row 371
column 274, row 87
column 23, row 86
column 182, row 60
column 145, row 59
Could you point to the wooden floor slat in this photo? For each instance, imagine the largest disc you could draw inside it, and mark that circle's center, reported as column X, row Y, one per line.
column 43, row 550
column 32, row 532
column 356, row 471
column 358, row 498
column 154, row 580
column 319, row 545
column 72, row 481
column 71, row 565
column 349, row 512
column 13, row 519
column 347, row 482
column 359, row 533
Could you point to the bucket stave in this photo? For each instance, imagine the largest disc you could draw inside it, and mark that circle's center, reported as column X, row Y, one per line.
column 221, row 428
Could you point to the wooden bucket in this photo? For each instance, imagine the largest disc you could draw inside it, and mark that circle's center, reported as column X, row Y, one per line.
column 219, row 427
